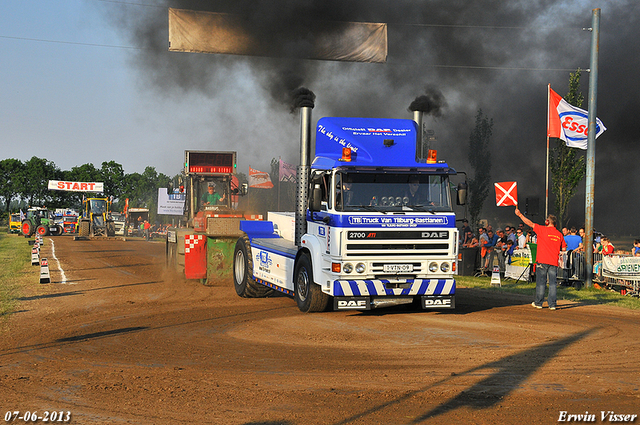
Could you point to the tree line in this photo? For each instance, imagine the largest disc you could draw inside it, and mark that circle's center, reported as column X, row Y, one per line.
column 24, row 184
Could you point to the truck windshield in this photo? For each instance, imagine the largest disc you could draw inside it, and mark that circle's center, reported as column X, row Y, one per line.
column 392, row 192
column 98, row 206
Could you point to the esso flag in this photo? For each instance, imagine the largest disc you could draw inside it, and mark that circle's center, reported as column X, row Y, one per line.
column 76, row 186
column 569, row 123
column 506, row 194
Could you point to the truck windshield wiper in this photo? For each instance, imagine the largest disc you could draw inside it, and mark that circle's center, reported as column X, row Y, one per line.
column 427, row 208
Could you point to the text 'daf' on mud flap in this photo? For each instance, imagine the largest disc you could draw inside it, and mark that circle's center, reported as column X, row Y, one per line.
column 444, row 301
column 195, row 256
column 351, row 303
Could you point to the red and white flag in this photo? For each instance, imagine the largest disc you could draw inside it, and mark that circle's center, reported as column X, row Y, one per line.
column 506, row 194
column 259, row 179
column 569, row 123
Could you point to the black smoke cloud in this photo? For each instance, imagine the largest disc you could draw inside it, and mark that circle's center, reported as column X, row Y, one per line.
column 491, row 55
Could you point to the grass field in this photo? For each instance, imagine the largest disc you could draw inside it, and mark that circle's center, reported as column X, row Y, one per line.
column 16, row 271
column 584, row 295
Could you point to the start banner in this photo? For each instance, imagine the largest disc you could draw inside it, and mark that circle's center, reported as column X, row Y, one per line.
column 76, row 186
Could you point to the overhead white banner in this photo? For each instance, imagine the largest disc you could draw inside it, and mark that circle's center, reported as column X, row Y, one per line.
column 170, row 204
column 210, row 32
column 76, row 186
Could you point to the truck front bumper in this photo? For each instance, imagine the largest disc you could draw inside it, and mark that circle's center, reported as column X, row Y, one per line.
column 369, row 294
column 402, row 287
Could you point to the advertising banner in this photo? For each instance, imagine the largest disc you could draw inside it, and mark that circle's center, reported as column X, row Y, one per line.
column 618, row 267
column 517, row 269
column 170, row 204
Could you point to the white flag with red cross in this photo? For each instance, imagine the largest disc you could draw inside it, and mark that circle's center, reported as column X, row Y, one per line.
column 506, row 194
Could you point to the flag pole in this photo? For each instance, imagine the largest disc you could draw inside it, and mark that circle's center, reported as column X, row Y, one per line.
column 546, row 202
column 591, row 145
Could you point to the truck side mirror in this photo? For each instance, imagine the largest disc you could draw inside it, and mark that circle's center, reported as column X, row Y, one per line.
column 462, row 193
column 315, row 201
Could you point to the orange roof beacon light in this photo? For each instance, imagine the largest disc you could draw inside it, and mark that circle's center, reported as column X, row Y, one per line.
column 346, row 155
column 432, row 156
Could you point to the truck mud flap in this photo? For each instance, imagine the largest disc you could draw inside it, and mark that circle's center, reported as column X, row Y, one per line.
column 437, row 302
column 351, row 303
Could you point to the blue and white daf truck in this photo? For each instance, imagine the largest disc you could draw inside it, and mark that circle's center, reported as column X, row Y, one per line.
column 376, row 227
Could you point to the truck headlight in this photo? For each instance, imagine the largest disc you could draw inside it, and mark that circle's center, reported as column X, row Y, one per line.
column 360, row 268
column 444, row 267
column 433, row 267
column 347, row 267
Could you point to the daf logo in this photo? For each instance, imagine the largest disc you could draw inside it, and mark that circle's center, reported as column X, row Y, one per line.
column 352, row 304
column 438, row 302
column 435, row 235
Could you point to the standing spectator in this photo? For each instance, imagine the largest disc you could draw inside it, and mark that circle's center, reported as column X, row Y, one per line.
column 483, row 239
column 607, row 246
column 490, row 244
column 472, row 241
column 147, row 227
column 501, row 246
column 465, row 227
column 636, row 248
column 522, row 239
column 581, row 233
column 531, row 237
column 467, row 238
column 511, row 235
column 550, row 242
column 572, row 240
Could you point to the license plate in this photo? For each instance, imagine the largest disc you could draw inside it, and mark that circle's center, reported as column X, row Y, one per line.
column 397, row 268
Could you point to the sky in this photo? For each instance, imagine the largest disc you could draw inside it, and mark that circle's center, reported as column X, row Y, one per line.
column 87, row 81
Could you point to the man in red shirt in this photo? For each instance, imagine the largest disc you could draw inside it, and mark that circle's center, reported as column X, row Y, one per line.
column 550, row 242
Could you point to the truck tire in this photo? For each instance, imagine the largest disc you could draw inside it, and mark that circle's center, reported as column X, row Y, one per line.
column 244, row 283
column 83, row 228
column 111, row 228
column 308, row 294
column 42, row 230
column 27, row 228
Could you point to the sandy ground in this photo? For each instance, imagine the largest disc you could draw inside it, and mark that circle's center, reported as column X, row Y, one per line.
column 114, row 339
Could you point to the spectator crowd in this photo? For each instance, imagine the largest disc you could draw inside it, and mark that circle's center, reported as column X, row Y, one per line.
column 502, row 243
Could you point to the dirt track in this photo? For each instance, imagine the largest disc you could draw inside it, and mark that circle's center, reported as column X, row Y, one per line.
column 120, row 342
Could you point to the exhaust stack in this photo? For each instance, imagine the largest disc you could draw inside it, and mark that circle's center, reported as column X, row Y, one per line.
column 417, row 117
column 305, row 101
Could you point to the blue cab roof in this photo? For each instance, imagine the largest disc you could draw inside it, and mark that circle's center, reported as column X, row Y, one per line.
column 374, row 142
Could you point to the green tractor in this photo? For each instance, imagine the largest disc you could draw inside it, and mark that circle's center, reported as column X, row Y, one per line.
column 96, row 219
column 40, row 220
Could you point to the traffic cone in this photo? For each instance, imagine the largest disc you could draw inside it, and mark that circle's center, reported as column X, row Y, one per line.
column 44, row 271
column 35, row 256
column 495, row 276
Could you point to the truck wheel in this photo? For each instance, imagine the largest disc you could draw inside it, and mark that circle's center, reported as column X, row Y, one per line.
column 42, row 230
column 27, row 228
column 111, row 228
column 243, row 280
column 308, row 294
column 83, row 228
